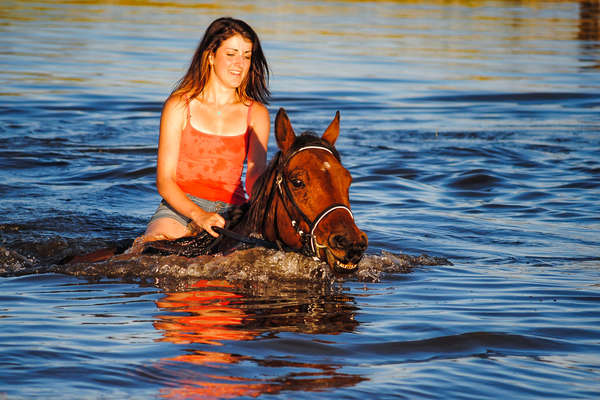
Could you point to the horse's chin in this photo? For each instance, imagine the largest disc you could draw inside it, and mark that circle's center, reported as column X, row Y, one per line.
column 336, row 265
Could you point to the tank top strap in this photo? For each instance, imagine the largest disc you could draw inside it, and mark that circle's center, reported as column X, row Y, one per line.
column 248, row 117
column 187, row 109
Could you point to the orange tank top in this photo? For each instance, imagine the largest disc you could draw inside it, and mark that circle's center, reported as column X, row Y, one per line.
column 210, row 166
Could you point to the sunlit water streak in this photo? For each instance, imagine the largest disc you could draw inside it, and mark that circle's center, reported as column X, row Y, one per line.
column 471, row 130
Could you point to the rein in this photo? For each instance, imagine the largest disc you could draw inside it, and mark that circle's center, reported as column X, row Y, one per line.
column 245, row 239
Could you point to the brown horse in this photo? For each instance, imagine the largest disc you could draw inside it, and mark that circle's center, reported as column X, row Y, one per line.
column 303, row 198
column 301, row 203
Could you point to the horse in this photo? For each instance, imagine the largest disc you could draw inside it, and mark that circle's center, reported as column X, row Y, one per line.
column 300, row 203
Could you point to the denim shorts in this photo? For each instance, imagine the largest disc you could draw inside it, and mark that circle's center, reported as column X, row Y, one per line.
column 165, row 210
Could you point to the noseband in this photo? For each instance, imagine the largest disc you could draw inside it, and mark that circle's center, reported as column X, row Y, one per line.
column 307, row 239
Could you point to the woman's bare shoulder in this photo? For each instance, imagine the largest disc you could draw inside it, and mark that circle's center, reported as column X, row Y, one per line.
column 174, row 111
column 259, row 111
column 175, row 103
column 180, row 99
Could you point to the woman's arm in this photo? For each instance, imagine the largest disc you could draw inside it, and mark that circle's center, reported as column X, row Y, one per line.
column 260, row 125
column 172, row 122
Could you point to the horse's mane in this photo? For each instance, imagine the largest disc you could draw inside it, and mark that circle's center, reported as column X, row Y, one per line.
column 261, row 193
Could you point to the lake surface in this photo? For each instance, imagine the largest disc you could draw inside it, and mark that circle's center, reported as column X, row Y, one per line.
column 472, row 131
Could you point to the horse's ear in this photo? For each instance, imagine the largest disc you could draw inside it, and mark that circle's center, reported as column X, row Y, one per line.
column 284, row 133
column 333, row 130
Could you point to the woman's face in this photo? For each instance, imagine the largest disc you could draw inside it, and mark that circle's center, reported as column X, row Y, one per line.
column 231, row 61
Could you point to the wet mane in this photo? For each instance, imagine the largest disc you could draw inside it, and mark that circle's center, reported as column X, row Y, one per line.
column 262, row 192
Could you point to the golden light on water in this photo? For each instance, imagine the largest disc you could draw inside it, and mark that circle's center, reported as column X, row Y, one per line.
column 465, row 40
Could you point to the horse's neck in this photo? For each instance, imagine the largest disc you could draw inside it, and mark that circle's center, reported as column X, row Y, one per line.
column 259, row 216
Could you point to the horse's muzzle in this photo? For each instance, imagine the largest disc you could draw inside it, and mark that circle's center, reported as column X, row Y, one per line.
column 345, row 250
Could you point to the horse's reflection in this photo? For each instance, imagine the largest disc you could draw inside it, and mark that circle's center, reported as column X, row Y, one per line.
column 212, row 314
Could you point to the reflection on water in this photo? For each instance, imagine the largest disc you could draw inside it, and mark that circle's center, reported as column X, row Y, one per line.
column 202, row 316
column 589, row 21
column 589, row 33
column 157, row 38
column 211, row 313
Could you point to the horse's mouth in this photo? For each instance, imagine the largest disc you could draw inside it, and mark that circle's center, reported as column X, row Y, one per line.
column 337, row 265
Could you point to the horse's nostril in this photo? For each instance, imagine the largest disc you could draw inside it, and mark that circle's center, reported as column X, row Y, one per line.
column 364, row 242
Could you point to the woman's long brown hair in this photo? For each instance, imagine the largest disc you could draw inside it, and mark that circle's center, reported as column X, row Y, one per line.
column 254, row 86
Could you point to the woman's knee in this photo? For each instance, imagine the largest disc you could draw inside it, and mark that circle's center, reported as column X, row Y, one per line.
column 165, row 228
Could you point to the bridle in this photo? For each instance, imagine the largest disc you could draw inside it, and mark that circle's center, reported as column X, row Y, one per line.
column 310, row 246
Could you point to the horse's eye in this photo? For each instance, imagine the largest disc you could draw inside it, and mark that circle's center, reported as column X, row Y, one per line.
column 297, row 183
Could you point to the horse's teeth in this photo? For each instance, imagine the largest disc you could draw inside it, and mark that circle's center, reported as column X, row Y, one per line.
column 345, row 266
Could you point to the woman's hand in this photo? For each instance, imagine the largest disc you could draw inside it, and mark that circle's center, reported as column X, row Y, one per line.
column 205, row 221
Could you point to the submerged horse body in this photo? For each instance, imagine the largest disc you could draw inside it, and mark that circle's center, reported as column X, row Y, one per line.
column 300, row 203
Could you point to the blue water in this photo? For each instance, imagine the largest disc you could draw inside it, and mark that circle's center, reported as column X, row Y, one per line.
column 472, row 131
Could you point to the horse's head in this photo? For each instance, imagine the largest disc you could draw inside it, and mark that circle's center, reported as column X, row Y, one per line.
column 311, row 189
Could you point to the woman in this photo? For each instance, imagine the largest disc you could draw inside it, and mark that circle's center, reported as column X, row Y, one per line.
column 214, row 120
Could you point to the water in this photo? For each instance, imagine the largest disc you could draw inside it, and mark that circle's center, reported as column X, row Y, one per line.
column 471, row 129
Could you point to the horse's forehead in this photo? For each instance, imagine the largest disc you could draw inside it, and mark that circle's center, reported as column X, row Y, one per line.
column 319, row 159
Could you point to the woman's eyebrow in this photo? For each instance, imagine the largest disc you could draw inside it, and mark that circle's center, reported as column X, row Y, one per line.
column 236, row 49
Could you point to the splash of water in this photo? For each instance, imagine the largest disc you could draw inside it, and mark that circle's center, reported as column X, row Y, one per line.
column 255, row 266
